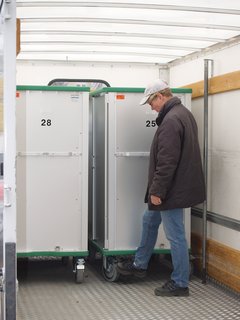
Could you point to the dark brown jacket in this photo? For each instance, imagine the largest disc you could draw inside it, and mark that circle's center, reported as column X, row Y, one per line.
column 175, row 168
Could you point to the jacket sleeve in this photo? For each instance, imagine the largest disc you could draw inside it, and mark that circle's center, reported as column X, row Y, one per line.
column 168, row 153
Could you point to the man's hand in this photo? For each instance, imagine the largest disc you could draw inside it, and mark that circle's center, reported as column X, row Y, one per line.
column 156, row 200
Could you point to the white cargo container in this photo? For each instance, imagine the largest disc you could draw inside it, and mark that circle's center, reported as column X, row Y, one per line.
column 122, row 134
column 52, row 173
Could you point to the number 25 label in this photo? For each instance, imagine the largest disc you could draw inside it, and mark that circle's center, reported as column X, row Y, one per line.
column 150, row 123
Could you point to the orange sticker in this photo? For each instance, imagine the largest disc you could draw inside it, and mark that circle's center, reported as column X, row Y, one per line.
column 17, row 94
column 120, row 96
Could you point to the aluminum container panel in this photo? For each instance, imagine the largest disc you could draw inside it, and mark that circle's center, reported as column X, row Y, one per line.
column 131, row 180
column 44, row 119
column 135, row 124
column 49, row 204
column 123, row 134
column 99, row 112
column 52, row 171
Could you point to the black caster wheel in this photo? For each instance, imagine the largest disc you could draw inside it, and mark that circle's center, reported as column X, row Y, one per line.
column 110, row 272
column 79, row 275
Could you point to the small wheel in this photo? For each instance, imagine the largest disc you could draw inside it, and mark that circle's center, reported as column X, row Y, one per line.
column 110, row 273
column 79, row 275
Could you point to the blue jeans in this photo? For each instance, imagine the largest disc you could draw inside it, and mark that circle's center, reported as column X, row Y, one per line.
column 175, row 233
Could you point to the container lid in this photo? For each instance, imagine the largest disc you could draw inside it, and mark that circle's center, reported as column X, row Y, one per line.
column 52, row 88
column 130, row 89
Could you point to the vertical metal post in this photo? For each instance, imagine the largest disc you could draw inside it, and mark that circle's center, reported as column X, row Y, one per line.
column 205, row 169
column 9, row 214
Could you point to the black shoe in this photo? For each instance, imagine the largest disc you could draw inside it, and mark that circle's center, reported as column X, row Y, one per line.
column 170, row 289
column 127, row 268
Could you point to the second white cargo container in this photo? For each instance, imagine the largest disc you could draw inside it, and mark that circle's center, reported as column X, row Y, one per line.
column 122, row 133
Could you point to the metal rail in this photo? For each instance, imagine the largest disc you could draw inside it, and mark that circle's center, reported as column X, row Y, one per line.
column 145, row 6
column 205, row 169
column 219, row 219
column 79, row 19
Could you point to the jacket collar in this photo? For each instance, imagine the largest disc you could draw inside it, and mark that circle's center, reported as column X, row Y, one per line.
column 166, row 108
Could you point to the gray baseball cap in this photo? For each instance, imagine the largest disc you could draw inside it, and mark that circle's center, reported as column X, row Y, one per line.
column 153, row 87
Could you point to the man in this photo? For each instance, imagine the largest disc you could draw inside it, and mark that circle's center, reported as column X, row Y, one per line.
column 175, row 181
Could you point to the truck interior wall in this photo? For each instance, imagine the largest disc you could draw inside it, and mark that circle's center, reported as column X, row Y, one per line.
column 223, row 157
column 118, row 75
column 225, row 60
column 224, row 144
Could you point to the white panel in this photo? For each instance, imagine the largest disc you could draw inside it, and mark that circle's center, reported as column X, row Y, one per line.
column 131, row 187
column 129, row 140
column 127, row 74
column 51, row 187
column 49, row 114
column 52, row 169
column 135, row 124
column 226, row 60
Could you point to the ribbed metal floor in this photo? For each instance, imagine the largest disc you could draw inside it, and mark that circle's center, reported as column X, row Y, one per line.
column 48, row 292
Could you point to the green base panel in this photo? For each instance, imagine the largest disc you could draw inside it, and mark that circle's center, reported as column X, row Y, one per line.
column 106, row 252
column 52, row 254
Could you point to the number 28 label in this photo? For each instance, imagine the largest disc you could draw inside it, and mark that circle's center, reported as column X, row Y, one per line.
column 46, row 122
